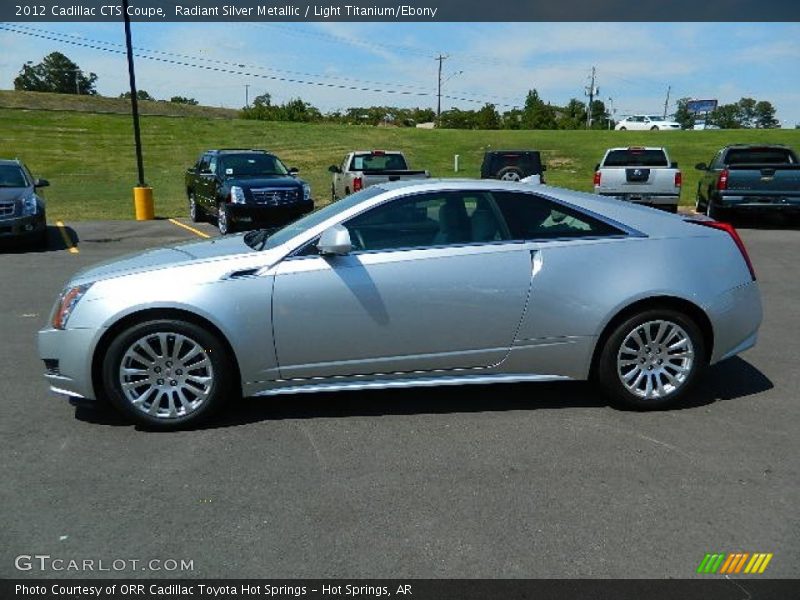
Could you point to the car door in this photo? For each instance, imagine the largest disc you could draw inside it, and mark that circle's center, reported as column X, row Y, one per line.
column 433, row 284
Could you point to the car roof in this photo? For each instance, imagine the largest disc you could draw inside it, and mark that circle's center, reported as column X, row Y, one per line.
column 238, row 151
column 10, row 161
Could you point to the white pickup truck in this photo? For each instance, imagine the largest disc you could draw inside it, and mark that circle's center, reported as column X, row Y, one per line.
column 640, row 175
column 363, row 168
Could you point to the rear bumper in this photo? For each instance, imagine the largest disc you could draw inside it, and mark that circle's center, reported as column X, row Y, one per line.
column 778, row 203
column 260, row 214
column 735, row 318
column 646, row 199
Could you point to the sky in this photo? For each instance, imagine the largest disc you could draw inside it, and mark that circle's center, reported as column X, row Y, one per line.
column 338, row 65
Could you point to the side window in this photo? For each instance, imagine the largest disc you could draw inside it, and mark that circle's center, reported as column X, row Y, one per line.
column 532, row 217
column 212, row 164
column 202, row 164
column 435, row 219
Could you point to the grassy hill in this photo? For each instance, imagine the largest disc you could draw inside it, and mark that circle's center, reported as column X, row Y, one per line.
column 101, row 105
column 90, row 162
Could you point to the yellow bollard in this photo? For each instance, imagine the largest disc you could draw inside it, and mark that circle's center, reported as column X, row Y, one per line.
column 143, row 203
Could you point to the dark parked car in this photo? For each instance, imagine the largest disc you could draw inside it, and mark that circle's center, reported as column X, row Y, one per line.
column 748, row 178
column 22, row 209
column 512, row 165
column 245, row 189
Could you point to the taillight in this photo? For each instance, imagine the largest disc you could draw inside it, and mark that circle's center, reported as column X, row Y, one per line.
column 731, row 231
column 722, row 181
column 678, row 179
column 358, row 184
column 597, row 176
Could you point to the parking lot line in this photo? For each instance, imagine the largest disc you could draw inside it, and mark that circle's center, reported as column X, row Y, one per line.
column 188, row 228
column 70, row 246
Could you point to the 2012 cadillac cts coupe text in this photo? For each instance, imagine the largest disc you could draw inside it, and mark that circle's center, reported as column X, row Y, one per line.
column 411, row 284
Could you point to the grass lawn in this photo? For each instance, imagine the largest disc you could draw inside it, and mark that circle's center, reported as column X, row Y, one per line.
column 90, row 161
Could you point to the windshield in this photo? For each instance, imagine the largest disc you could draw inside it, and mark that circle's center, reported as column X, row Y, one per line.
column 251, row 165
column 318, row 216
column 771, row 156
column 11, row 176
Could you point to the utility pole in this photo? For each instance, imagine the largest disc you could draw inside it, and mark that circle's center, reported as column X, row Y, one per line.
column 666, row 102
column 440, row 58
column 246, row 95
column 591, row 91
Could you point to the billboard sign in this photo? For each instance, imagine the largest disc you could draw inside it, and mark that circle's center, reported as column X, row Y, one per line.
column 701, row 106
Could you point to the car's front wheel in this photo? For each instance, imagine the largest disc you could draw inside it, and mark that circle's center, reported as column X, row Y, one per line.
column 166, row 374
column 224, row 219
column 652, row 359
column 654, row 128
column 195, row 212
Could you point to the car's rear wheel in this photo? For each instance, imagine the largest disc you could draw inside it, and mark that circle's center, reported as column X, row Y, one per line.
column 654, row 128
column 333, row 194
column 651, row 360
column 623, row 129
column 509, row 174
column 166, row 374
column 715, row 212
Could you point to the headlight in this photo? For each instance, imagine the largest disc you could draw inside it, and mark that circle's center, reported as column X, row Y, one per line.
column 30, row 206
column 306, row 191
column 237, row 195
column 67, row 302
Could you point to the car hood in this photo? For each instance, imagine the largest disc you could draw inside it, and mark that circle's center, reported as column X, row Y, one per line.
column 276, row 181
column 159, row 258
column 12, row 194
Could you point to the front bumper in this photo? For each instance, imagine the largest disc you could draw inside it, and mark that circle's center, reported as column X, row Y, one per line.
column 259, row 214
column 22, row 226
column 68, row 360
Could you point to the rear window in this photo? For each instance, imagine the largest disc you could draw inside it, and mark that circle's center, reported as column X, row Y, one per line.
column 378, row 162
column 636, row 158
column 772, row 156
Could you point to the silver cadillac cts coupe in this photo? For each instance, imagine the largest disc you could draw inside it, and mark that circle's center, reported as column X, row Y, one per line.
column 411, row 284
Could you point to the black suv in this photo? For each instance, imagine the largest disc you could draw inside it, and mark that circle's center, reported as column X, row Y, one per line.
column 244, row 189
column 22, row 209
column 512, row 165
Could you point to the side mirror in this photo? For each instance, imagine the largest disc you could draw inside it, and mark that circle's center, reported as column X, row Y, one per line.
column 701, row 167
column 293, row 170
column 673, row 165
column 40, row 183
column 335, row 241
column 334, row 169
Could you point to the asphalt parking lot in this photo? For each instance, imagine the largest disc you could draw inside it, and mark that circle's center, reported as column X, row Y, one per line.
column 539, row 480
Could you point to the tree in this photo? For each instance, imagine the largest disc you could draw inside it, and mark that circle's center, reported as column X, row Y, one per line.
column 140, row 95
column 487, row 118
column 536, row 114
column 183, row 100
column 765, row 115
column 573, row 116
column 727, row 116
column 56, row 73
column 683, row 115
column 599, row 115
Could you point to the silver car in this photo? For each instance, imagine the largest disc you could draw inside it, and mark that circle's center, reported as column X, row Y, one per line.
column 411, row 284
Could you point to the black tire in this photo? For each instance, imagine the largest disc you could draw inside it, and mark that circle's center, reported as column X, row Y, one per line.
column 717, row 213
column 223, row 219
column 654, row 128
column 333, row 194
column 610, row 373
column 221, row 373
column 196, row 213
column 671, row 208
column 699, row 205
column 623, row 129
column 509, row 174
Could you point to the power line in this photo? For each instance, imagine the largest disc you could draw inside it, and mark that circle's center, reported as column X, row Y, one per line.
column 145, row 54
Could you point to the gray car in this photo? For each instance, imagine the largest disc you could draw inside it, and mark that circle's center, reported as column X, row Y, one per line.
column 22, row 207
column 411, row 284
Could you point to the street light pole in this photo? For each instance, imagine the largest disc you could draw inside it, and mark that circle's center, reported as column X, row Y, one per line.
column 134, row 100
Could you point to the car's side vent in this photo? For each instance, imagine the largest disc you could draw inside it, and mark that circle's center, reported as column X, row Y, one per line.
column 243, row 273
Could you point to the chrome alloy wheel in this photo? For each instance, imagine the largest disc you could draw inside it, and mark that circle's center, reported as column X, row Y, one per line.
column 166, row 375
column 655, row 359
